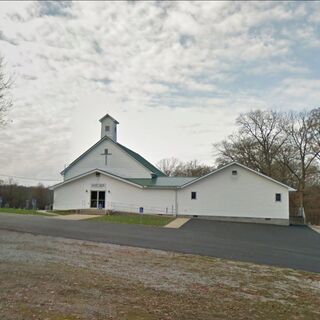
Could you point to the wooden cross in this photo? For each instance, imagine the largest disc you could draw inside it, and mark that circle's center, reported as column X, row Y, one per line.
column 106, row 154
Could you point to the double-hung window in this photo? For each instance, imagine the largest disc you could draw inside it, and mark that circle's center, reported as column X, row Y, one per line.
column 278, row 197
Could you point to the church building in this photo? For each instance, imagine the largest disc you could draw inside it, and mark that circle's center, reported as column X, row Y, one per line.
column 113, row 178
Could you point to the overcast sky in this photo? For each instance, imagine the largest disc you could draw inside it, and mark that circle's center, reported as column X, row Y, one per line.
column 174, row 74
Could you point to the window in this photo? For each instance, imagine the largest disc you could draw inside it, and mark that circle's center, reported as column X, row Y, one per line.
column 278, row 197
column 193, row 195
column 107, row 128
column 234, row 172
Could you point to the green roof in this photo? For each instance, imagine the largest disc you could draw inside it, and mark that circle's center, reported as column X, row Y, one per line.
column 143, row 161
column 162, row 182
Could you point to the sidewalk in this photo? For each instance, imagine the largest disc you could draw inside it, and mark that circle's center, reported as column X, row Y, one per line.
column 315, row 228
column 177, row 223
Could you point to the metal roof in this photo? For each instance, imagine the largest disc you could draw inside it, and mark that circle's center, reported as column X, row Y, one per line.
column 162, row 182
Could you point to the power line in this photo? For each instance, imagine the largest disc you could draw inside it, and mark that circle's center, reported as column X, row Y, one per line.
column 25, row 178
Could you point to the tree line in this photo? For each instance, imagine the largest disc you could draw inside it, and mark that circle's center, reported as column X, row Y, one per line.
column 13, row 195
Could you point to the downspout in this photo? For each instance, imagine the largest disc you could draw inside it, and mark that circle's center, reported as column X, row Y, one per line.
column 176, row 201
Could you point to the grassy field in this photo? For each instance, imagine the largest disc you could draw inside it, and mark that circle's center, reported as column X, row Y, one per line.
column 150, row 220
column 23, row 211
column 63, row 279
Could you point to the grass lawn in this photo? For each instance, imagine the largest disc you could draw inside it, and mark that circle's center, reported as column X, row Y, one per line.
column 22, row 211
column 149, row 220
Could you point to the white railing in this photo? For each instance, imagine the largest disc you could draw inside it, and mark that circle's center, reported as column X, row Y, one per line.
column 119, row 207
column 136, row 208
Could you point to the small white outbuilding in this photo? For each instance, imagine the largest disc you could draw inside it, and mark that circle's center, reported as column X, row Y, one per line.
column 112, row 177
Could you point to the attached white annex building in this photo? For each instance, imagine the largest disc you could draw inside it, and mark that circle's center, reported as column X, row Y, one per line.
column 112, row 177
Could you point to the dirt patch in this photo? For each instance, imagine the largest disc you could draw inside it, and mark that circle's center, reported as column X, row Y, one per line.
column 54, row 278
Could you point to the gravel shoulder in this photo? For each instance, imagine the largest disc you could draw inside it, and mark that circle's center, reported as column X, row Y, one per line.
column 55, row 278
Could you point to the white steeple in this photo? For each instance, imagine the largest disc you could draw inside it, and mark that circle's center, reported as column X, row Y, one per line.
column 109, row 127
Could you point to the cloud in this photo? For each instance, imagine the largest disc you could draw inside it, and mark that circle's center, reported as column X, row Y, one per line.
column 193, row 62
column 298, row 93
column 54, row 8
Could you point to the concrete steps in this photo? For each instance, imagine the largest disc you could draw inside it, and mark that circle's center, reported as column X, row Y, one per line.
column 92, row 211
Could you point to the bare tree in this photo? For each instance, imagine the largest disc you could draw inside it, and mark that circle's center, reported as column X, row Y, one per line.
column 174, row 167
column 192, row 169
column 239, row 149
column 256, row 143
column 5, row 101
column 168, row 165
column 263, row 128
column 301, row 148
column 315, row 122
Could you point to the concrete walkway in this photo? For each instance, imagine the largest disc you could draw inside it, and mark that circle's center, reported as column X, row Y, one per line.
column 315, row 228
column 48, row 212
column 177, row 223
column 76, row 217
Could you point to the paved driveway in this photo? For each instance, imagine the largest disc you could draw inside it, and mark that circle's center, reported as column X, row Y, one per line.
column 293, row 247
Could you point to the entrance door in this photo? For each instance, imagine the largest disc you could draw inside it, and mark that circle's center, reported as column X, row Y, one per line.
column 98, row 199
column 101, row 199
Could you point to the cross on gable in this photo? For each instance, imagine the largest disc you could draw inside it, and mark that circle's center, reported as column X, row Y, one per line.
column 106, row 154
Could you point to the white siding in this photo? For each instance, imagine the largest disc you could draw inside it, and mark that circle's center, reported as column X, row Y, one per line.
column 120, row 196
column 119, row 163
column 244, row 195
column 112, row 133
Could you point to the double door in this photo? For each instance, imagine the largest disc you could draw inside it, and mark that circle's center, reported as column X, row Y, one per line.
column 98, row 199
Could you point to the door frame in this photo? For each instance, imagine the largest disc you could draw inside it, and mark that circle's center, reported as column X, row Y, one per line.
column 97, row 199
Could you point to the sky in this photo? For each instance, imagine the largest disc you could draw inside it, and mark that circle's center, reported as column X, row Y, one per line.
column 174, row 74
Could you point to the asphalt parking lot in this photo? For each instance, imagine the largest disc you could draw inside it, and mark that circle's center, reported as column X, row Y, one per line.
column 296, row 247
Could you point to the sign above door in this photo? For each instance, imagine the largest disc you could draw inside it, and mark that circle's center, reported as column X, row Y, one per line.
column 98, row 185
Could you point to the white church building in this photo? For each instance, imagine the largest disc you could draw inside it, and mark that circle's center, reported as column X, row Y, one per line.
column 111, row 177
